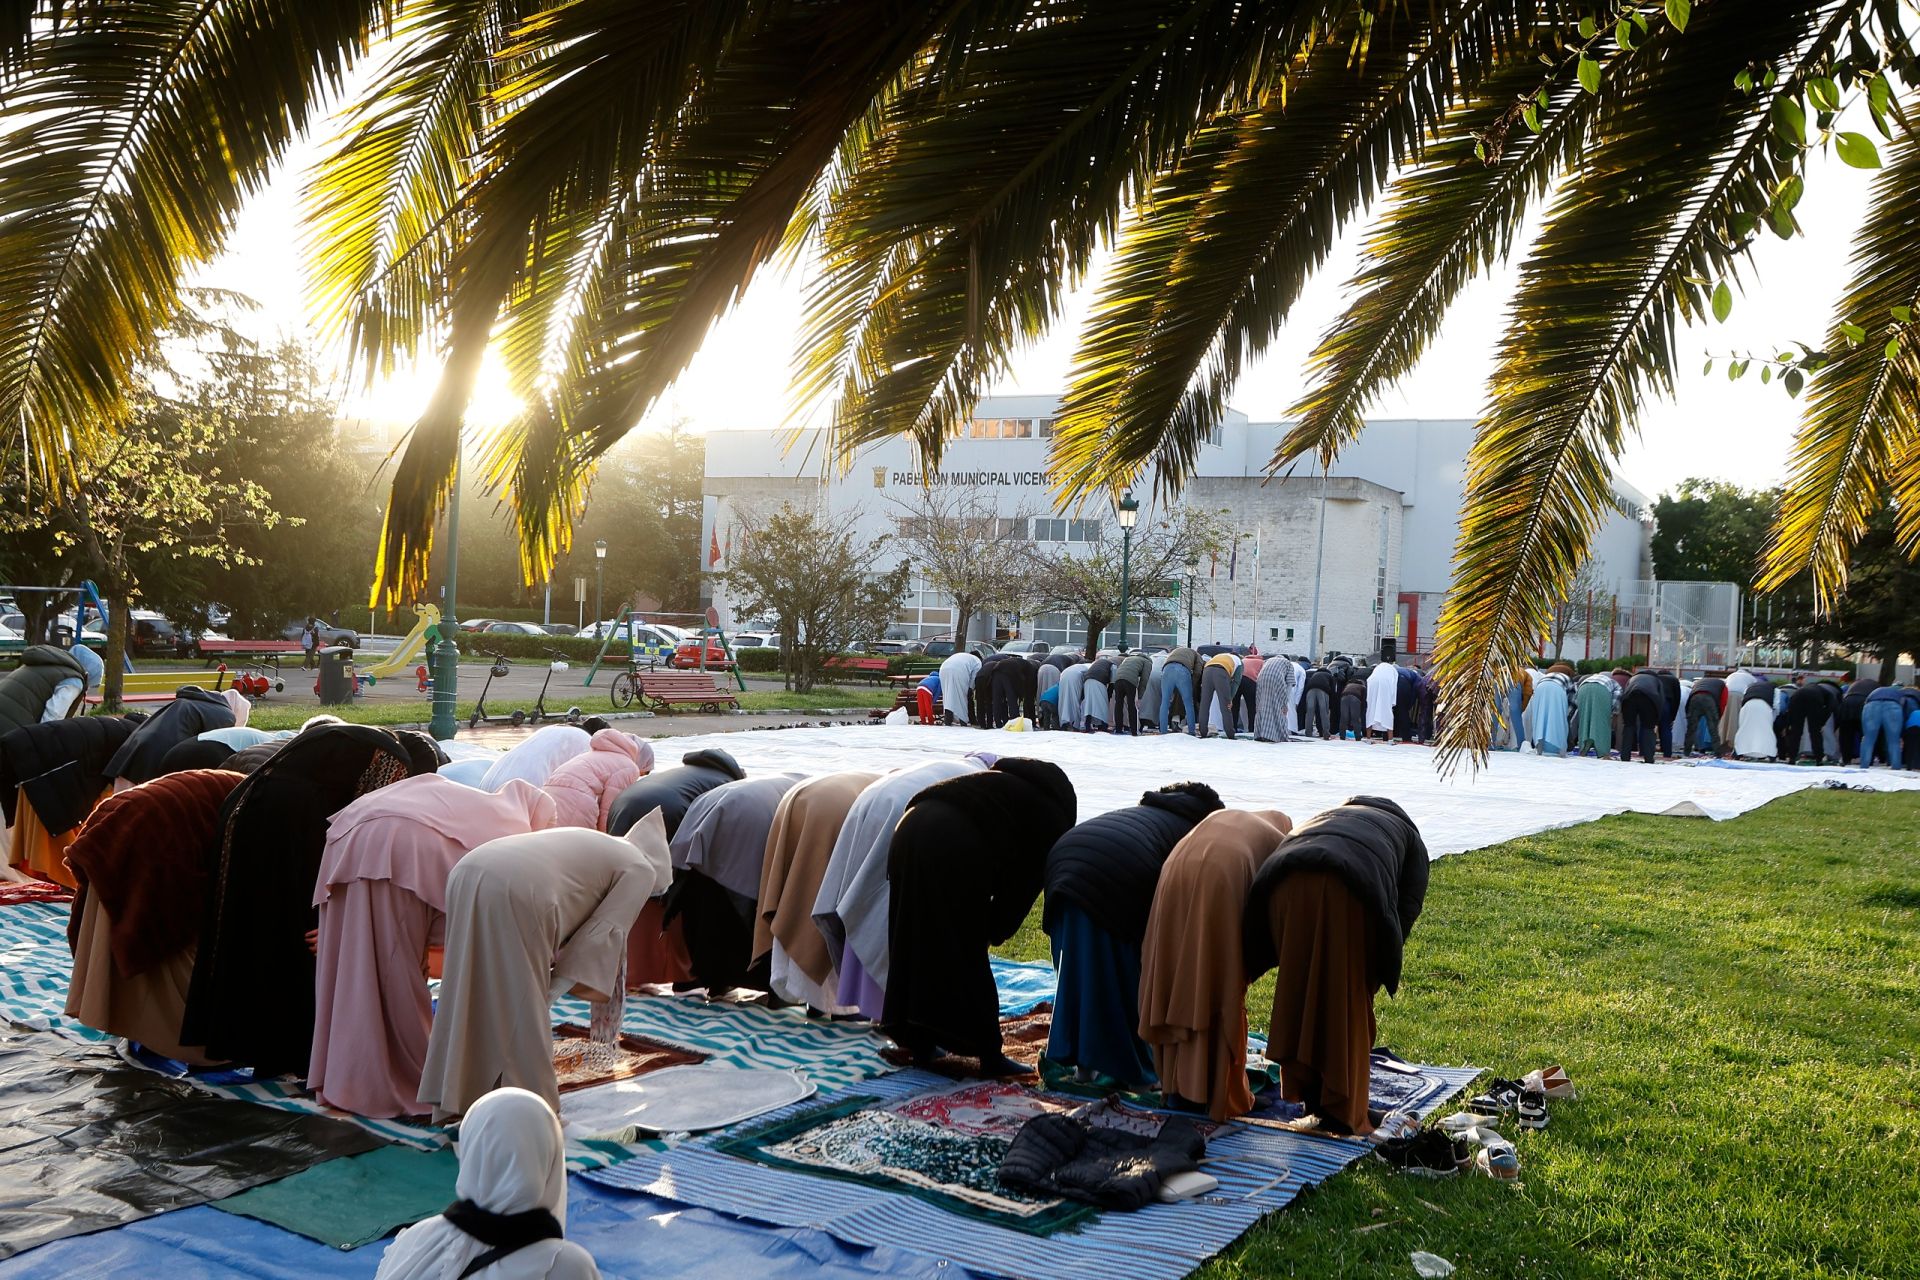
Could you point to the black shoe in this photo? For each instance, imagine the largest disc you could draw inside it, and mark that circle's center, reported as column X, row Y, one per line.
column 1427, row 1154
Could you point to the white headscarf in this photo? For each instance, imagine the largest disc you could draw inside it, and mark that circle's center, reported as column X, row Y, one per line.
column 535, row 759
column 512, row 1159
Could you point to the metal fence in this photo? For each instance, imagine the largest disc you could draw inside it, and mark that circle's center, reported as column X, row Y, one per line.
column 1695, row 625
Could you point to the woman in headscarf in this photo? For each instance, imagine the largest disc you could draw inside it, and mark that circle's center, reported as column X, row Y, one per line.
column 966, row 864
column 382, row 899
column 1273, row 699
column 585, row 787
column 799, row 844
column 194, row 753
column 192, row 712
column 717, row 858
column 1331, row 910
column 530, row 918
column 1193, row 980
column 657, row 950
column 510, row 1220
column 253, row 979
column 141, row 862
column 1100, row 878
column 51, row 777
column 535, row 759
column 851, row 908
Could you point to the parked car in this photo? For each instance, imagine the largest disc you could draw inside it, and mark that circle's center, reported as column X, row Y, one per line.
column 1033, row 650
column 557, row 628
column 329, row 635
column 941, row 649
column 687, row 655
column 890, row 648
column 477, row 624
column 151, row 635
column 755, row 640
column 513, row 629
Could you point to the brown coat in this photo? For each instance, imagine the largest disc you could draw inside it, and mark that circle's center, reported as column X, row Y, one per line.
column 804, row 828
column 1193, row 984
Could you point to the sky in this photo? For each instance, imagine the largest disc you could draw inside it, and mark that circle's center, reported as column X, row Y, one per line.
column 1740, row 432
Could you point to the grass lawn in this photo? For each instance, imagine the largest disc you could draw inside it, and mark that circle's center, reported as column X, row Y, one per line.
column 1739, row 1005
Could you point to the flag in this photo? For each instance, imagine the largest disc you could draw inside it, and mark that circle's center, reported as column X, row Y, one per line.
column 727, row 553
column 713, row 548
column 1233, row 559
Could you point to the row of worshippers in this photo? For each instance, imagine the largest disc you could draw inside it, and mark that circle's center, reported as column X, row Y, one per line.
column 1206, row 690
column 1735, row 713
column 1160, row 916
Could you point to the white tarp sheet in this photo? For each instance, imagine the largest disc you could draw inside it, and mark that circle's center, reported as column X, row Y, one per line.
column 1515, row 795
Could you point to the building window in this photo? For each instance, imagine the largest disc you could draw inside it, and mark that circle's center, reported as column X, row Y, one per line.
column 1011, row 530
column 1083, row 531
column 1043, row 427
column 1000, row 429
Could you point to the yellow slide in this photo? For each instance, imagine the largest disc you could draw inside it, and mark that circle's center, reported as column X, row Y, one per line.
column 403, row 660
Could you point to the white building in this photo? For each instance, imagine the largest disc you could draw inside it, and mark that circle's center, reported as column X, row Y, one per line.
column 1390, row 506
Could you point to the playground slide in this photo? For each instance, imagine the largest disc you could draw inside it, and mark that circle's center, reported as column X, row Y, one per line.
column 410, row 652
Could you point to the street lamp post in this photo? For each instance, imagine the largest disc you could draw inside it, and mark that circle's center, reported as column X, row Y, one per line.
column 1129, row 511
column 446, row 654
column 1193, row 585
column 599, row 580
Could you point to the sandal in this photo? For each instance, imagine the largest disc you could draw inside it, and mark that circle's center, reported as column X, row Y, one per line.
column 1532, row 1109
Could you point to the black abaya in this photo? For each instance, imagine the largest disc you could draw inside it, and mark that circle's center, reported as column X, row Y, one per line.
column 965, row 867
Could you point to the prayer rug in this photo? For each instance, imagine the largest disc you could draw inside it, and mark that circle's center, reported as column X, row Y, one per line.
column 355, row 1201
column 13, row 893
column 953, row 1166
column 1260, row 1170
column 35, row 967
column 577, row 1065
column 93, row 1143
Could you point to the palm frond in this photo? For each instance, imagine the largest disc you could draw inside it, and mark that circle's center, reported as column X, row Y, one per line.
column 128, row 143
column 1590, row 331
column 1862, row 422
column 990, row 182
column 1207, row 272
column 17, row 18
column 382, row 204
column 1449, row 219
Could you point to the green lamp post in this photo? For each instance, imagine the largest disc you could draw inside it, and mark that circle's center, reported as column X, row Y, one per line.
column 446, row 655
column 1129, row 510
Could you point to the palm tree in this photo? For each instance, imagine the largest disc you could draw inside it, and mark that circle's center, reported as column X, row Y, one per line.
column 586, row 186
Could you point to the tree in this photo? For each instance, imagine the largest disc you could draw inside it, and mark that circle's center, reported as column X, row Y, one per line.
column 813, row 572
column 586, row 191
column 965, row 550
column 1711, row 531
column 1586, row 602
column 1879, row 612
column 1087, row 583
column 147, row 503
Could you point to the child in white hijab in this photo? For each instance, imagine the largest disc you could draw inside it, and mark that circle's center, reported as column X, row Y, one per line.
column 509, row 1222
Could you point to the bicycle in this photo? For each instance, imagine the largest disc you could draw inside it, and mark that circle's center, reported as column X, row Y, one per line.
column 625, row 690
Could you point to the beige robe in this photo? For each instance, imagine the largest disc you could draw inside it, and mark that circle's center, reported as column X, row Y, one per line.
column 1193, row 979
column 146, row 1007
column 805, row 827
column 530, row 917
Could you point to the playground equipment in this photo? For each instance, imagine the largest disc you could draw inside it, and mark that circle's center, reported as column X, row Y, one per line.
column 479, row 717
column 406, row 658
column 636, row 652
column 540, row 714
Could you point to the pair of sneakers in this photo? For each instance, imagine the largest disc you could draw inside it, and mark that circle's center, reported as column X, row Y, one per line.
column 1527, row 1100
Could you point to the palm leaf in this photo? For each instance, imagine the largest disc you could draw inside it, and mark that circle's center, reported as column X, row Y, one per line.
column 991, row 181
column 1206, row 273
column 1448, row 220
column 382, row 204
column 128, row 142
column 1862, row 422
column 1591, row 330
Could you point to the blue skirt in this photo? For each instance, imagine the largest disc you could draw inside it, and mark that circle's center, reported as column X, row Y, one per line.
column 1097, row 1008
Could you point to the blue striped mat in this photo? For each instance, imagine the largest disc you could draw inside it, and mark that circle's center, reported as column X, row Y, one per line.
column 35, row 967
column 1260, row 1170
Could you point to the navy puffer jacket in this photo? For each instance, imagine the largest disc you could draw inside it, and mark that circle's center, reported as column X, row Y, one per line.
column 1108, row 866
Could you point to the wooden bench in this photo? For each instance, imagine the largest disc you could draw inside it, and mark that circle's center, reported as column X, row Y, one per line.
column 872, row 670
column 263, row 653
column 160, row 686
column 664, row 690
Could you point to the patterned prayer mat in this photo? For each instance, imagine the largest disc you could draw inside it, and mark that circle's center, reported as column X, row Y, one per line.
column 1260, row 1170
column 13, row 893
column 578, row 1064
